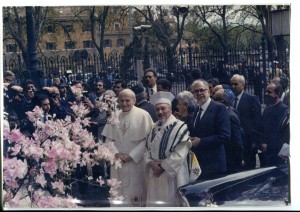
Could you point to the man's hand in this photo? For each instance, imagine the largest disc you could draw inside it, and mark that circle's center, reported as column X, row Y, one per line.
column 55, row 102
column 195, row 141
column 156, row 168
column 88, row 103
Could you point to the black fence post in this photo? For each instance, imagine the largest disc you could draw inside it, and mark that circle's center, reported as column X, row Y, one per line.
column 263, row 45
column 190, row 55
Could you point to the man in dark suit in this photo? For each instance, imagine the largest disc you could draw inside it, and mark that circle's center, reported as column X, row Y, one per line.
column 210, row 132
column 233, row 149
column 141, row 100
column 249, row 109
column 275, row 126
column 150, row 78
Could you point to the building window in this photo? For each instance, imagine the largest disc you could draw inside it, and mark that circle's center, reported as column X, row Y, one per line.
column 117, row 26
column 69, row 45
column 116, row 10
column 88, row 44
column 68, row 28
column 11, row 48
column 120, row 42
column 50, row 29
column 86, row 27
column 107, row 43
column 51, row 46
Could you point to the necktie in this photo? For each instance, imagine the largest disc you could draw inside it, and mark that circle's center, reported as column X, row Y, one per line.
column 235, row 102
column 197, row 119
column 151, row 91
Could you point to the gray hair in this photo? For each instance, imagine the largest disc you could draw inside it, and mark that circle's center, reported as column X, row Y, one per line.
column 188, row 99
column 129, row 92
column 239, row 77
column 200, row 81
column 109, row 92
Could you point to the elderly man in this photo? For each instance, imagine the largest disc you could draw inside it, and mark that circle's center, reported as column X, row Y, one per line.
column 211, row 131
column 129, row 140
column 167, row 148
column 249, row 109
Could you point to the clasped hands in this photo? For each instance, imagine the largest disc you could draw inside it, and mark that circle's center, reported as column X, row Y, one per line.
column 156, row 168
column 123, row 157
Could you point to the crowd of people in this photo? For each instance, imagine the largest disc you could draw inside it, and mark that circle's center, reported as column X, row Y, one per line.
column 226, row 128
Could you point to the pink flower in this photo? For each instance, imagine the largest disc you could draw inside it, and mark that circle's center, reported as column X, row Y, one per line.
column 114, row 118
column 13, row 168
column 50, row 167
column 41, row 180
column 15, row 149
column 16, row 136
column 59, row 186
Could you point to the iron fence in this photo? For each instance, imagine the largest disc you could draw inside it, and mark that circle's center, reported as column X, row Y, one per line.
column 251, row 61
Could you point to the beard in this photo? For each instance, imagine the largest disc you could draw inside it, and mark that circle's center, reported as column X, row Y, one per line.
column 162, row 119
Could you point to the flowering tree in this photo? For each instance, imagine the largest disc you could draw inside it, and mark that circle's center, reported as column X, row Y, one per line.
column 42, row 164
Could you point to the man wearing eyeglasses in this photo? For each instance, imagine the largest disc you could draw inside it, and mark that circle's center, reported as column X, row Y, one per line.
column 211, row 130
column 249, row 109
column 150, row 79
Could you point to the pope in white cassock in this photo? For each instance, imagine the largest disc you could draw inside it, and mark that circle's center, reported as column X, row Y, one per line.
column 129, row 139
column 167, row 147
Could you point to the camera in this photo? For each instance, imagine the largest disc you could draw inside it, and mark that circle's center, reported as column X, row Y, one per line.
column 85, row 96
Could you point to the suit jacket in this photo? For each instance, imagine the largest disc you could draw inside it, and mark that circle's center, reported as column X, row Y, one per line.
column 234, row 149
column 249, row 109
column 149, row 108
column 213, row 131
column 274, row 128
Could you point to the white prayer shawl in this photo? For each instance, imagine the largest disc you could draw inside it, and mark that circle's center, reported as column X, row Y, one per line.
column 169, row 143
column 130, row 138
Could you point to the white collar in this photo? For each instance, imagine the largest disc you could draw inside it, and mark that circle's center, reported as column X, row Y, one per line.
column 240, row 95
column 205, row 105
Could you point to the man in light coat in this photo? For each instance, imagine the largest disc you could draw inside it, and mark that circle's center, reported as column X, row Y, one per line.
column 129, row 139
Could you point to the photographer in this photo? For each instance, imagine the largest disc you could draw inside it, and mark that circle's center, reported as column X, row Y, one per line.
column 81, row 96
column 12, row 94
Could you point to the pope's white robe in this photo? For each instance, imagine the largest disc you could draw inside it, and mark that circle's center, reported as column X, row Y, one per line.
column 130, row 138
column 169, row 143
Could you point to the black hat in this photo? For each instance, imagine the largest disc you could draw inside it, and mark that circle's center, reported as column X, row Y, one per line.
column 61, row 85
column 138, row 88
